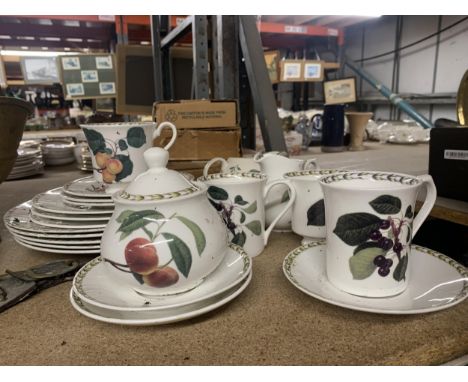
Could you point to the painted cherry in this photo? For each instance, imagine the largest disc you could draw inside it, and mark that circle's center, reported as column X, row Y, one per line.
column 141, row 256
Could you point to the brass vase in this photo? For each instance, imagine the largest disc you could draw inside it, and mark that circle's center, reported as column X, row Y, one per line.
column 357, row 126
column 13, row 115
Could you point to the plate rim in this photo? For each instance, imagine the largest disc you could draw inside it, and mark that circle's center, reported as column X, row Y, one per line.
column 66, row 188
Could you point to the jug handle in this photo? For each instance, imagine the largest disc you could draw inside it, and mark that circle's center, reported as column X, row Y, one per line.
column 258, row 156
column 211, row 162
column 158, row 130
column 311, row 164
column 429, row 202
column 292, row 198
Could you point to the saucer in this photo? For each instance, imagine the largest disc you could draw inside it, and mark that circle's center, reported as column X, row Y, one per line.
column 86, row 187
column 66, row 224
column 71, row 218
column 437, row 282
column 80, row 241
column 68, row 251
column 158, row 317
column 56, row 245
column 81, row 203
column 52, row 202
column 93, row 285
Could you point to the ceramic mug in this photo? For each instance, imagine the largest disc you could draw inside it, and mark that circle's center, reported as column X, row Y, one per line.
column 239, row 200
column 233, row 165
column 308, row 211
column 370, row 225
column 117, row 150
column 274, row 164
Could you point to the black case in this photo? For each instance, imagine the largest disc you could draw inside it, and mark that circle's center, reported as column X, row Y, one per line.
column 448, row 161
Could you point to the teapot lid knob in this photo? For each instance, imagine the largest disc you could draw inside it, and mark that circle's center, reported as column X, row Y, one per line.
column 156, row 157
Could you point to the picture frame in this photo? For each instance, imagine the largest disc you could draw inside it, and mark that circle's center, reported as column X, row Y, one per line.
column 89, row 76
column 40, row 70
column 272, row 62
column 75, row 90
column 313, row 71
column 291, row 71
column 107, row 88
column 104, row 62
column 70, row 63
column 339, row 91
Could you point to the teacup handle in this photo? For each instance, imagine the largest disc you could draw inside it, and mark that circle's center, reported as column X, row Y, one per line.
column 158, row 130
column 311, row 164
column 426, row 208
column 292, row 197
column 211, row 162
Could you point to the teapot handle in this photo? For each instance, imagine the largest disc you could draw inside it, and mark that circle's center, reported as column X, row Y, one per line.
column 158, row 130
column 311, row 164
column 292, row 198
column 211, row 162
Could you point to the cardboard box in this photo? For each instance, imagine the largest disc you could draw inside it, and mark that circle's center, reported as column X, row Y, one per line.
column 197, row 114
column 202, row 144
column 448, row 161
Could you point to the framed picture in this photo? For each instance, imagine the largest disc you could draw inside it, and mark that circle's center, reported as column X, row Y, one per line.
column 89, row 76
column 40, row 70
column 107, row 87
column 104, row 62
column 71, row 63
column 291, row 70
column 313, row 71
column 75, row 90
column 272, row 63
column 339, row 91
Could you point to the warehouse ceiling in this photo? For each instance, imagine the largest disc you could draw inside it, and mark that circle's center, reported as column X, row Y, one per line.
column 327, row 21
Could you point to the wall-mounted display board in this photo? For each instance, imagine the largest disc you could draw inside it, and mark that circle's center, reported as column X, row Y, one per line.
column 135, row 79
column 88, row 76
column 40, row 70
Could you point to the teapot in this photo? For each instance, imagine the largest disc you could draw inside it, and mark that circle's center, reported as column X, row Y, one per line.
column 274, row 164
column 164, row 237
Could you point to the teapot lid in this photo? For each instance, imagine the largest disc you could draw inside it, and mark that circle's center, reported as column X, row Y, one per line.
column 158, row 182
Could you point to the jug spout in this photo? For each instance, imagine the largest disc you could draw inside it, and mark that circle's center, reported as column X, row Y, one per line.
column 261, row 156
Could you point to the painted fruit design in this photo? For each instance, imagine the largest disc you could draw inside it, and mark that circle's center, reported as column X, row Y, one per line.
column 234, row 214
column 112, row 157
column 142, row 258
column 382, row 244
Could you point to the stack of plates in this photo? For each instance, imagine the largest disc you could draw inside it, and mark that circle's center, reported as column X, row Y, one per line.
column 29, row 162
column 87, row 193
column 50, row 223
column 83, row 157
column 58, row 152
column 99, row 297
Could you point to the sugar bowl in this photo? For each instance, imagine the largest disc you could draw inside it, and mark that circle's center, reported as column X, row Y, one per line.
column 164, row 237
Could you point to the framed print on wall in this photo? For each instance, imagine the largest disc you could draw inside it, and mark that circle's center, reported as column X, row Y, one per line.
column 272, row 63
column 339, row 91
column 313, row 71
column 40, row 70
column 291, row 70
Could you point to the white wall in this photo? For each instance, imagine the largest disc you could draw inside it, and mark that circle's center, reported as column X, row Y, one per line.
column 416, row 63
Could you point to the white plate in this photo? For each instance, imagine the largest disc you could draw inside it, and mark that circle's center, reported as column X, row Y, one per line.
column 159, row 317
column 55, row 250
column 56, row 241
column 19, row 218
column 56, row 246
column 63, row 236
column 64, row 223
column 74, row 203
column 52, row 201
column 437, row 282
column 93, row 285
column 86, row 187
column 76, row 199
column 91, row 219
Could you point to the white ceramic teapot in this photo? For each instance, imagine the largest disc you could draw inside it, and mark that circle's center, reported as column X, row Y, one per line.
column 274, row 164
column 163, row 237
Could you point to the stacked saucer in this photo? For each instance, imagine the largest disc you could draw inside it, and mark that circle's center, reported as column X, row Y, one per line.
column 97, row 296
column 305, row 268
column 57, row 152
column 87, row 193
column 29, row 162
column 51, row 224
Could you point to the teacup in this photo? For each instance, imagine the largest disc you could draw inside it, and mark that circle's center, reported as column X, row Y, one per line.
column 370, row 225
column 308, row 211
column 233, row 165
column 239, row 200
column 117, row 150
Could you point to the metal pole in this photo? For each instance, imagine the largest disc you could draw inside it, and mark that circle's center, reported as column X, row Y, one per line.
column 394, row 98
column 156, row 45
